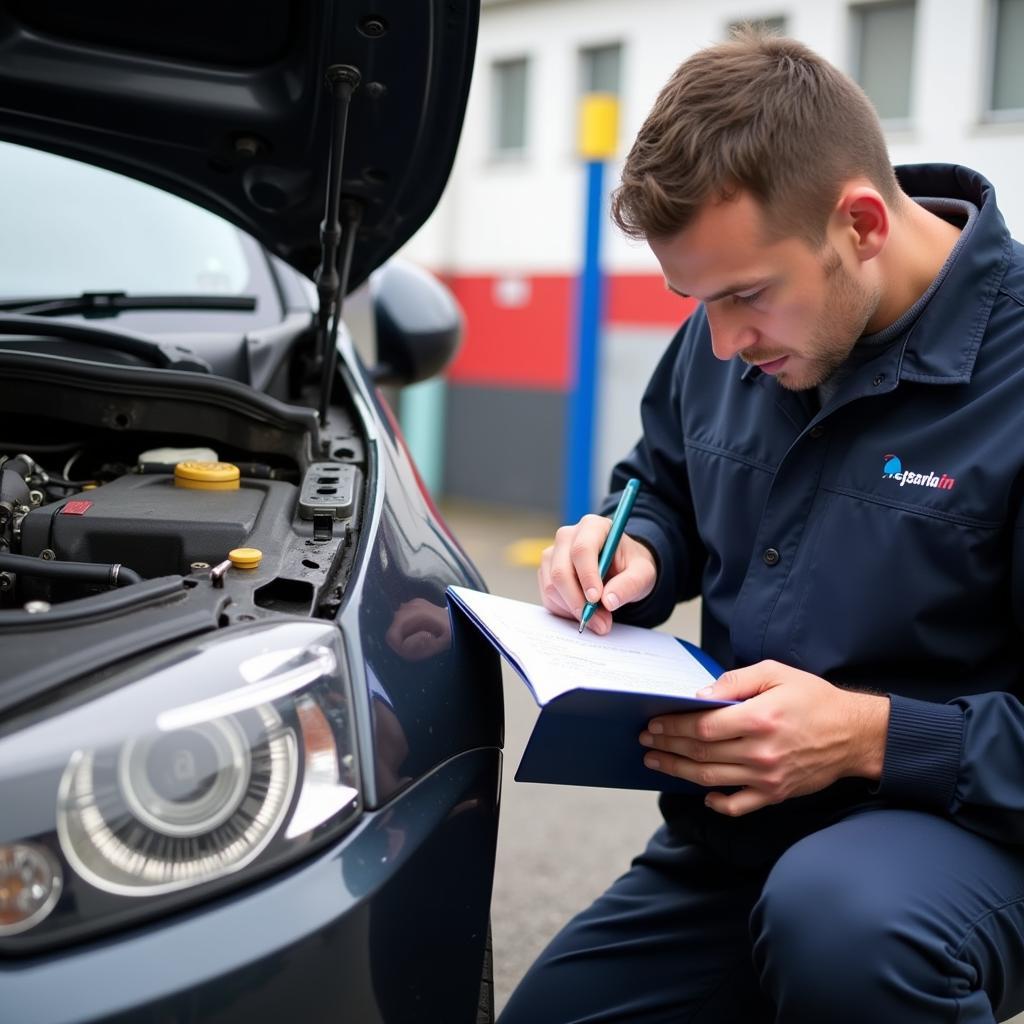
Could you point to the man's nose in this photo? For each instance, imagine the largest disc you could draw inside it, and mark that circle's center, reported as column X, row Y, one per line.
column 730, row 333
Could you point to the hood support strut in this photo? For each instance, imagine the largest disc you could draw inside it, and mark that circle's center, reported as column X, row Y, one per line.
column 337, row 231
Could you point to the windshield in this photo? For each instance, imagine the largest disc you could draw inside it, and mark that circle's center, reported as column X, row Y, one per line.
column 68, row 227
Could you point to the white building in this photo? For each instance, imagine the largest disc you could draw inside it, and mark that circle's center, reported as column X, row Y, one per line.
column 946, row 76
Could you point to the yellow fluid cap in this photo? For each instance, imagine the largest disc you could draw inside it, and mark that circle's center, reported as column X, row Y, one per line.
column 246, row 558
column 206, row 476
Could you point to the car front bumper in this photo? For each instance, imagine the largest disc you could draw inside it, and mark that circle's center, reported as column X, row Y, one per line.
column 387, row 925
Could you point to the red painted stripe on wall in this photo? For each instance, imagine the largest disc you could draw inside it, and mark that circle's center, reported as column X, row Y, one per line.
column 519, row 328
column 517, row 331
column 635, row 299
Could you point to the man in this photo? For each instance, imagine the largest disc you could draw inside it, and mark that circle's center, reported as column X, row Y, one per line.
column 833, row 456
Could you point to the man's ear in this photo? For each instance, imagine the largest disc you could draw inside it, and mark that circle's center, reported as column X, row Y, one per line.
column 863, row 219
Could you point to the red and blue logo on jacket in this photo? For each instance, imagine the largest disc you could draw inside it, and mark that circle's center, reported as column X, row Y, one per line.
column 892, row 469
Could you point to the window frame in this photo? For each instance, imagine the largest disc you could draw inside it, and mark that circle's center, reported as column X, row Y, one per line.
column 989, row 114
column 591, row 47
column 855, row 37
column 734, row 23
column 495, row 152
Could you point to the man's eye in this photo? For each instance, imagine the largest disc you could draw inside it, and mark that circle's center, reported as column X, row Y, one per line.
column 749, row 300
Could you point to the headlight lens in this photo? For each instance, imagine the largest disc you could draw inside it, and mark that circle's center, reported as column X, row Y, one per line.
column 232, row 753
column 173, row 809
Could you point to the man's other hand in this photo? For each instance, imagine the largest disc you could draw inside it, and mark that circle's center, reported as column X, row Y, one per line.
column 793, row 734
column 568, row 575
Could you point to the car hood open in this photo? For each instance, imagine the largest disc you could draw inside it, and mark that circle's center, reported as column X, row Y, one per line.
column 227, row 104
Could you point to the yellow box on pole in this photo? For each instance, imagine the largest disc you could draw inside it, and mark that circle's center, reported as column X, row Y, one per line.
column 599, row 126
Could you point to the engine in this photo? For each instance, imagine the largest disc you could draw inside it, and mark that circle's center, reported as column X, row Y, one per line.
column 86, row 528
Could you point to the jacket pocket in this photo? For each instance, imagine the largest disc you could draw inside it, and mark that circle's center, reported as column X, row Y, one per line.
column 923, row 594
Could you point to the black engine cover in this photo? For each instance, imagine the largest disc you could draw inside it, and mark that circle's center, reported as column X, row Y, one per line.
column 146, row 523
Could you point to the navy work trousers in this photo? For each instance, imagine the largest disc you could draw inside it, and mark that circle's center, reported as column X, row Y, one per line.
column 885, row 917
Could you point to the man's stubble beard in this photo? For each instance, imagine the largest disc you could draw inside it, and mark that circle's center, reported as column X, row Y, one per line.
column 848, row 308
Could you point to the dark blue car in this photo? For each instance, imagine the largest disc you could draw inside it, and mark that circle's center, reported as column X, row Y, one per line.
column 247, row 773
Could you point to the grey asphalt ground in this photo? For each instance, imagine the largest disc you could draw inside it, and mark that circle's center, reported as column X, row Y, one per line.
column 558, row 846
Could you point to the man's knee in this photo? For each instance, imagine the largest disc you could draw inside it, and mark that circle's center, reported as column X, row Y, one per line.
column 827, row 934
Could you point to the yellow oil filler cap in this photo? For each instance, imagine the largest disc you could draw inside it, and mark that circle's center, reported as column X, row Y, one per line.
column 206, row 476
column 246, row 558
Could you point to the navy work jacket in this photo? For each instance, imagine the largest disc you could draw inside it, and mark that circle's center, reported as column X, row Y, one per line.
column 877, row 542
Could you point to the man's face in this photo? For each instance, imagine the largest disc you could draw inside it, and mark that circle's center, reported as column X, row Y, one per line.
column 780, row 304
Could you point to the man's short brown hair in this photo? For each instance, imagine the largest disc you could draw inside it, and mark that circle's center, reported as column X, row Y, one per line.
column 759, row 113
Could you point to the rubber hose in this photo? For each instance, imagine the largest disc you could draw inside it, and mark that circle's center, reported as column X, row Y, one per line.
column 80, row 572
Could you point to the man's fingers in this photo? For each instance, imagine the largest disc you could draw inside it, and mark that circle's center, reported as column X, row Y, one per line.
column 569, row 574
column 561, row 587
column 709, row 776
column 741, row 683
column 751, row 795
column 724, row 752
column 712, row 776
column 727, row 723
column 549, row 595
column 600, row 622
column 737, row 804
column 635, row 580
column 584, row 553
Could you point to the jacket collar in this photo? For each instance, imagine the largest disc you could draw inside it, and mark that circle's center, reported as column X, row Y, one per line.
column 942, row 344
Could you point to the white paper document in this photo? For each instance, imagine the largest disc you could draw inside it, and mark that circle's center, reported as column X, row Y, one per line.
column 553, row 657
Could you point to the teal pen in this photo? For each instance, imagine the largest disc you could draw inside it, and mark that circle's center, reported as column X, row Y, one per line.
column 604, row 563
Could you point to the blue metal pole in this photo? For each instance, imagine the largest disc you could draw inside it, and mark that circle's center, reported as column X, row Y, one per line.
column 590, row 314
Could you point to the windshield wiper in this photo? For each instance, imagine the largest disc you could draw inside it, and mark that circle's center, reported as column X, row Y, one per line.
column 101, row 304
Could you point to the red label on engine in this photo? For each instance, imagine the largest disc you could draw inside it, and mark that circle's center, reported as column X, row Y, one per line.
column 76, row 508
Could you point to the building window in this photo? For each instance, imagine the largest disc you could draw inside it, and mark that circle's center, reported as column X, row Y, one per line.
column 601, row 68
column 775, row 26
column 883, row 41
column 509, row 81
column 1007, row 69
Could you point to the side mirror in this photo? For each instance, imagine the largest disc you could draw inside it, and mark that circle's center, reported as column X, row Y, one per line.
column 418, row 324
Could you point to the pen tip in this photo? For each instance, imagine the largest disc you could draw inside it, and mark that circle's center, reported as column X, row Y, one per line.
column 583, row 626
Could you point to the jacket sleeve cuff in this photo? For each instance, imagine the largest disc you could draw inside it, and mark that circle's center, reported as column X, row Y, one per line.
column 922, row 752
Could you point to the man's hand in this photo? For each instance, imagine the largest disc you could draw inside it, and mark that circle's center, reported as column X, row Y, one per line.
column 568, row 575
column 793, row 734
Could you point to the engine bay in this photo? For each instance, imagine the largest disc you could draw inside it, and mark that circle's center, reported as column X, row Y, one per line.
column 110, row 477
column 166, row 514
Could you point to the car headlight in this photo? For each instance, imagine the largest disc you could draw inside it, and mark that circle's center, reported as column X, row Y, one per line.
column 196, row 768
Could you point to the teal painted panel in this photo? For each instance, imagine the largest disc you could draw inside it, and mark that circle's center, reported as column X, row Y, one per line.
column 421, row 413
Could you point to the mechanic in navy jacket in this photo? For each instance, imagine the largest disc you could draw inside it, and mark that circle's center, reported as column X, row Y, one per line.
column 833, row 457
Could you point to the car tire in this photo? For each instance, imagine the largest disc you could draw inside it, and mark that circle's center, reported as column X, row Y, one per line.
column 485, row 1004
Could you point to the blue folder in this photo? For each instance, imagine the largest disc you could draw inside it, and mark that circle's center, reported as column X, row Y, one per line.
column 591, row 737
